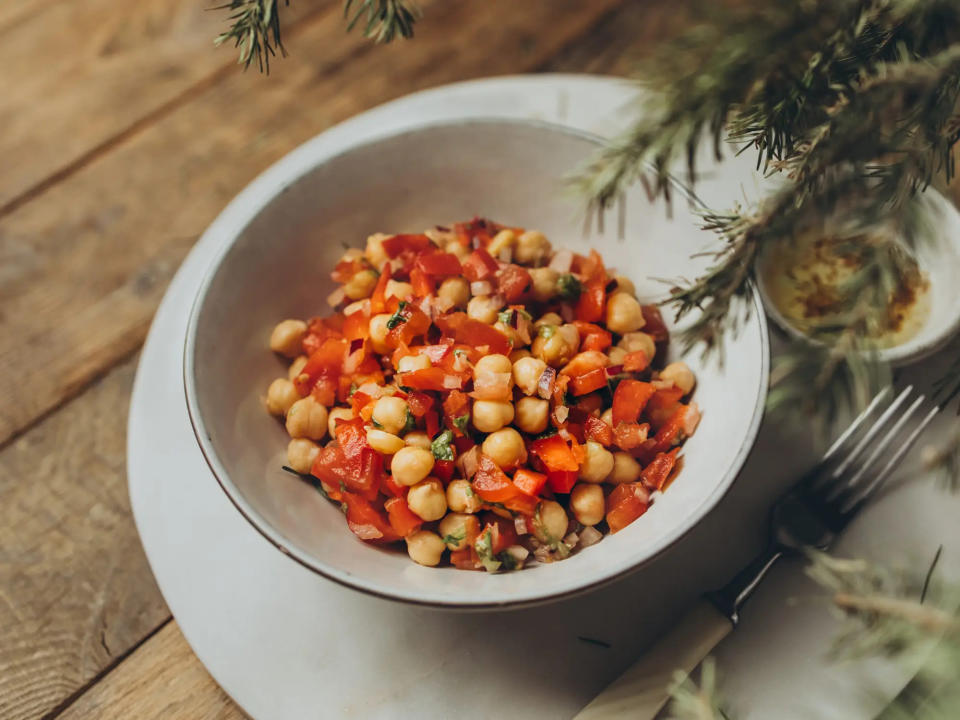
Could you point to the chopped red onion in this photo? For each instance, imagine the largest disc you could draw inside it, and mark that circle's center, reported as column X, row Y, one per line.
column 562, row 261
column 546, row 382
column 520, row 524
column 561, row 414
column 336, row 297
column 356, row 345
column 590, row 536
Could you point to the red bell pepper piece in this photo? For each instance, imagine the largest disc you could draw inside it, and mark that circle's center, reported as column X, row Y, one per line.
column 419, row 403
column 628, row 436
column 479, row 265
column 397, row 244
column 411, row 322
column 593, row 337
column 326, row 361
column 491, row 483
column 473, row 332
column 456, row 405
column 439, row 264
column 422, row 284
column 431, row 378
column 588, row 382
column 663, row 405
column 443, row 470
column 513, row 282
column 432, row 423
column 465, row 559
column 597, row 430
column 402, row 518
column 636, row 361
column 529, row 482
column 625, row 504
column 555, row 454
column 629, row 400
column 366, row 522
column 561, row 481
column 656, row 474
column 378, row 299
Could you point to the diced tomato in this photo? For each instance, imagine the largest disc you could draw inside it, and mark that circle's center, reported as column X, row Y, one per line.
column 366, row 522
column 555, row 453
column 439, row 264
column 359, row 401
column 513, row 282
column 505, row 534
column 636, row 361
column 378, row 300
column 523, row 504
column 413, row 323
column 397, row 244
column 491, row 483
column 663, row 405
column 422, row 284
column 629, row 400
column 479, row 265
column 326, row 361
column 625, row 504
column 432, row 423
column 479, row 229
column 628, row 436
column 653, row 323
column 655, row 475
column 356, row 326
column 443, row 470
column 465, row 559
column 585, row 362
column 529, row 482
column 392, row 487
column 473, row 332
column 588, row 382
column 561, row 481
column 436, row 353
column 598, row 431
column 431, row 378
column 402, row 518
column 588, row 404
column 593, row 337
column 419, row 403
column 668, row 434
column 351, row 462
column 456, row 404
column 593, row 298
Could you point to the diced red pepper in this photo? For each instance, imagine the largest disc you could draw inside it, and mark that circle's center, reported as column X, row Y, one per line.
column 432, row 423
column 473, row 332
column 593, row 337
column 356, row 326
column 326, row 361
column 465, row 559
column 523, row 504
column 561, row 481
column 628, row 436
column 663, row 405
column 504, row 532
column 529, row 482
column 351, row 461
column 491, row 483
column 636, row 361
column 397, row 244
column 346, row 269
column 439, row 264
column 392, row 488
column 585, row 362
column 443, row 470
column 366, row 522
column 422, row 284
column 412, row 323
column 653, row 323
column 629, row 400
column 431, row 378
column 655, row 475
column 479, row 265
column 625, row 504
column 668, row 434
column 402, row 518
column 513, row 282
column 587, row 383
column 598, row 431
column 479, row 229
column 378, row 300
column 436, row 353
column 593, row 298
column 456, row 404
column 419, row 403
column 555, row 453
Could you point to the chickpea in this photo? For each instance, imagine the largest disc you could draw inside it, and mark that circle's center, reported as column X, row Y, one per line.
column 461, row 498
column 532, row 248
column 455, row 291
column 505, row 447
column 383, row 442
column 425, row 548
column 417, row 438
column 337, row 413
column 510, row 333
column 296, row 366
column 519, row 354
column 625, row 469
column 361, row 285
column 307, row 418
column 484, row 308
column 390, row 413
column 616, row 355
column 493, row 364
column 558, row 346
column 550, row 318
column 532, row 414
column 527, row 372
column 410, row 363
column 375, row 252
column 607, row 416
column 411, row 464
column 624, row 314
column 491, row 415
column 625, row 284
column 281, row 395
column 680, row 375
column 632, row 342
column 587, row 503
column 358, row 306
column 597, row 464
column 378, row 333
column 400, row 290
column 550, row 521
column 457, row 248
column 301, row 453
column 544, row 283
column 427, row 499
column 503, row 240
column 287, row 337
column 459, row 529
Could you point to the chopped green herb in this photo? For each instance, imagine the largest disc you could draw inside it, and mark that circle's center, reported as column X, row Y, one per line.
column 505, row 316
column 547, row 331
column 555, row 544
column 460, row 423
column 397, row 318
column 484, row 548
column 455, row 538
column 441, row 446
column 353, row 389
column 569, row 286
column 411, row 422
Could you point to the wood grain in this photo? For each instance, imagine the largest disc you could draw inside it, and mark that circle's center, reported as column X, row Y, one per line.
column 75, row 589
column 71, row 297
column 161, row 680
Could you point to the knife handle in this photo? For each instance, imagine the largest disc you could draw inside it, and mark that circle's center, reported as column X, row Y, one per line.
column 642, row 691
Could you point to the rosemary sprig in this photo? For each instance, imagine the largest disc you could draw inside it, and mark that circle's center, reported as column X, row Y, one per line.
column 385, row 19
column 255, row 30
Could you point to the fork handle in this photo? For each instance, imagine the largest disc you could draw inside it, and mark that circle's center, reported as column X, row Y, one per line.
column 642, row 691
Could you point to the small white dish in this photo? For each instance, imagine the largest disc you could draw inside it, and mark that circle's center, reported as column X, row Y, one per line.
column 938, row 257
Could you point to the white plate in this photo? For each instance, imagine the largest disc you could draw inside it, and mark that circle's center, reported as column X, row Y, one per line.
column 285, row 643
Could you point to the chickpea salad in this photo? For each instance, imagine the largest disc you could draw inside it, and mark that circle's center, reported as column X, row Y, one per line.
column 482, row 397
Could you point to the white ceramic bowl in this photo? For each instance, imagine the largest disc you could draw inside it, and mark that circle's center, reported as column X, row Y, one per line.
column 277, row 265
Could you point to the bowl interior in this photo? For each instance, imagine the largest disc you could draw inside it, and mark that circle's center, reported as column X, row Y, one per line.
column 278, row 265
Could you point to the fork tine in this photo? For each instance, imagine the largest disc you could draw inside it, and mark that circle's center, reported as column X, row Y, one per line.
column 871, row 433
column 855, row 425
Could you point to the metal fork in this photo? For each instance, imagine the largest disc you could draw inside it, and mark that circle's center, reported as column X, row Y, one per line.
column 812, row 513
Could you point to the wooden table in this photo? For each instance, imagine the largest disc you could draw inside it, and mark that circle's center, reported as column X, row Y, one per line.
column 124, row 134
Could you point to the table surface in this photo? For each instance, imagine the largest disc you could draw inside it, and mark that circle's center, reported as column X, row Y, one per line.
column 125, row 133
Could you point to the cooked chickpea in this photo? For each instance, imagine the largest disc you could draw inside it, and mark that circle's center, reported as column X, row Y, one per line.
column 558, row 346
column 378, row 333
column 503, row 240
column 307, row 418
column 375, row 252
column 296, row 366
column 680, row 375
column 399, row 290
column 532, row 248
column 357, row 306
column 301, row 453
column 632, row 342
column 491, row 415
column 384, row 442
column 544, row 283
column 457, row 248
column 607, row 416
column 492, row 363
column 410, row 363
column 550, row 318
column 280, row 396
column 532, row 414
column 459, row 530
column 527, row 372
column 587, row 503
column 510, row 333
column 616, row 355
column 625, row 284
column 287, row 337
column 597, row 464
column 461, row 498
column 623, row 313
column 455, row 291
column 519, row 354
column 550, row 521
column 361, row 284
column 427, row 499
column 505, row 447
column 338, row 413
column 390, row 413
column 425, row 548
column 484, row 308
column 417, row 438
column 411, row 464
column 625, row 469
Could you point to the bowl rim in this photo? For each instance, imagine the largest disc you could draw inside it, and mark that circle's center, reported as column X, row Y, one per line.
column 264, row 189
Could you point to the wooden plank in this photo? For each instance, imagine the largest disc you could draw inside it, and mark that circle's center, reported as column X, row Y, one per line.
column 72, row 301
column 162, row 679
column 75, row 588
column 77, row 74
